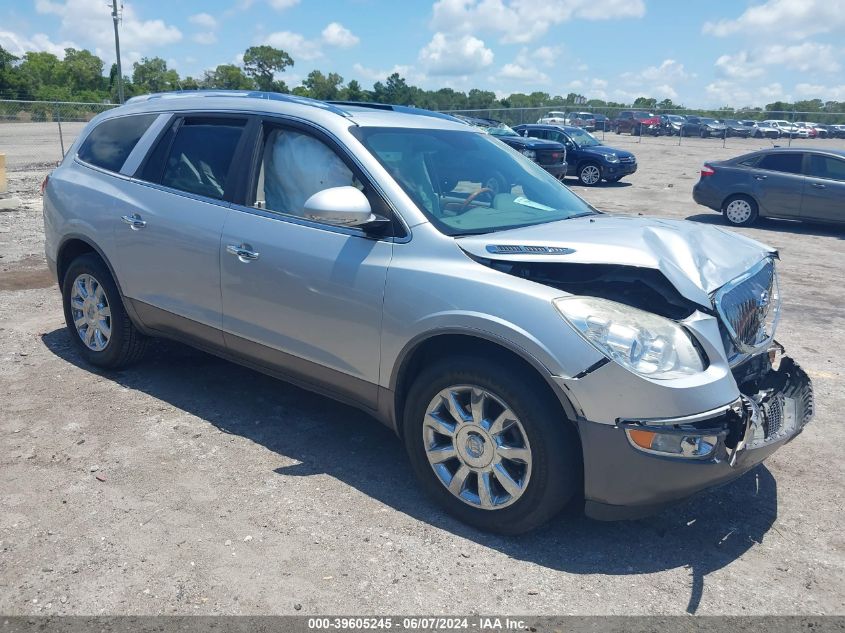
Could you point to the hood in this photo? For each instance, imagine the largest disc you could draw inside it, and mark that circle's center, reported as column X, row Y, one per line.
column 604, row 150
column 696, row 258
column 651, row 120
column 529, row 142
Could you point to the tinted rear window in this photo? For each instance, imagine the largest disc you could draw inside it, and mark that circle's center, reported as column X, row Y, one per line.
column 111, row 142
column 201, row 155
column 788, row 163
column 826, row 167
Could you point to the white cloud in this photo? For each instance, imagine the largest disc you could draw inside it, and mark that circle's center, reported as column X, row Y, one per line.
column 90, row 24
column 807, row 57
column 524, row 74
column 335, row 34
column 204, row 20
column 739, row 66
column 669, row 70
column 794, row 19
column 18, row 45
column 525, row 20
column 281, row 5
column 450, row 55
column 296, row 44
column 374, row 74
column 548, row 55
column 725, row 92
column 817, row 91
column 205, row 38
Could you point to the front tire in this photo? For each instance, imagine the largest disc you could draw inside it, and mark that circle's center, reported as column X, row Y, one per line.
column 95, row 316
column 740, row 210
column 490, row 444
column 589, row 174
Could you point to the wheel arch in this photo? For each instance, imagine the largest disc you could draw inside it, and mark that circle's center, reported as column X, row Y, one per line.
column 74, row 245
column 434, row 345
column 740, row 194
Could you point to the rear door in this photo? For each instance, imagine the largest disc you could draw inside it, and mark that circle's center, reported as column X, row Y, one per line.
column 778, row 184
column 168, row 239
column 824, row 188
column 307, row 300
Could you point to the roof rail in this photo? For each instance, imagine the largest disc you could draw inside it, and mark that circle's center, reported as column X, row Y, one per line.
column 243, row 94
column 395, row 108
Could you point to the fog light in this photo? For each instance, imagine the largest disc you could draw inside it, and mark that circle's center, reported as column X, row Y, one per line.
column 677, row 444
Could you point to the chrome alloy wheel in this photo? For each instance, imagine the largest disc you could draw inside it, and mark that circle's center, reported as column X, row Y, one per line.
column 477, row 447
column 91, row 313
column 590, row 175
column 738, row 211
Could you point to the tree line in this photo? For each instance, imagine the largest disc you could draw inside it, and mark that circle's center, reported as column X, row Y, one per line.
column 80, row 76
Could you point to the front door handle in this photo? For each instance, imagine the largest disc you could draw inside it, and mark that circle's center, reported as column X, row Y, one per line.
column 760, row 177
column 819, row 185
column 243, row 252
column 134, row 221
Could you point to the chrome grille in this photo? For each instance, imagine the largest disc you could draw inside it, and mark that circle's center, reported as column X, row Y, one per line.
column 749, row 307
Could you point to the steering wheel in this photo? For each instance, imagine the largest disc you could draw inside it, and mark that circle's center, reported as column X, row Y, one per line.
column 473, row 196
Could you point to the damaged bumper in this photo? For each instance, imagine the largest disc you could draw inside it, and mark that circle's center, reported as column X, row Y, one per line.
column 625, row 477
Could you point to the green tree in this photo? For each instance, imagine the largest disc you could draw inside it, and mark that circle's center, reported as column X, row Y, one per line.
column 646, row 103
column 394, row 90
column 227, row 77
column 13, row 84
column 83, row 70
column 45, row 75
column 324, row 87
column 353, row 92
column 152, row 75
column 262, row 63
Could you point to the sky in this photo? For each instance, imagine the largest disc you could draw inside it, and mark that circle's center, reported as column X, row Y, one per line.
column 703, row 53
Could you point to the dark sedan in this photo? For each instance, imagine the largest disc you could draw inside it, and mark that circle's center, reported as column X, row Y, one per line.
column 736, row 128
column 589, row 160
column 550, row 155
column 794, row 183
column 703, row 127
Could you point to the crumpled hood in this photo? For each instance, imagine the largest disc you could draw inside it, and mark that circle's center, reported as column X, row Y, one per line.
column 697, row 259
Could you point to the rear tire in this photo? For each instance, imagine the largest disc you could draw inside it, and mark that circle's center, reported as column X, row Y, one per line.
column 96, row 319
column 740, row 210
column 535, row 489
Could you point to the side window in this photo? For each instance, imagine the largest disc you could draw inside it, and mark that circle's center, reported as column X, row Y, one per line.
column 293, row 167
column 536, row 133
column 826, row 167
column 110, row 143
column 749, row 162
column 789, row 163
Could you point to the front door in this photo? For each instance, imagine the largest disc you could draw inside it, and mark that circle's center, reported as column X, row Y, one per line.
column 824, row 188
column 168, row 238
column 301, row 297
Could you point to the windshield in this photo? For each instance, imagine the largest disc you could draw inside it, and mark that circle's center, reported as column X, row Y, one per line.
column 469, row 183
column 705, row 120
column 583, row 138
column 500, row 129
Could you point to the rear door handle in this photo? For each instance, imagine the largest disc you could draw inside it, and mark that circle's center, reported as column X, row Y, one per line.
column 760, row 177
column 134, row 221
column 243, row 252
column 819, row 185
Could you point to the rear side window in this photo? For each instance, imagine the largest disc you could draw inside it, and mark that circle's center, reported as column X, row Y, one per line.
column 787, row 163
column 111, row 142
column 200, row 155
column 826, row 167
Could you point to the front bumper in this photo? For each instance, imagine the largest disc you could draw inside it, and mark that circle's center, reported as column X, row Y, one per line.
column 617, row 170
column 558, row 170
column 624, row 482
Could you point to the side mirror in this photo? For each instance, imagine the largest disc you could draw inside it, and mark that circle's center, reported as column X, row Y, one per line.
column 342, row 206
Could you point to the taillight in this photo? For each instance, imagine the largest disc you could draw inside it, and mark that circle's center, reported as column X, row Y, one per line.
column 44, row 184
column 707, row 170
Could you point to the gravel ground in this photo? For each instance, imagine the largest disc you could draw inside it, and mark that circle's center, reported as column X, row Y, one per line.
column 190, row 485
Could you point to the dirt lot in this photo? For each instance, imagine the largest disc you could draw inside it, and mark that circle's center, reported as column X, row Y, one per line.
column 190, row 485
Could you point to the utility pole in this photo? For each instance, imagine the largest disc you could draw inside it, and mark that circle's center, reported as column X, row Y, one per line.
column 115, row 16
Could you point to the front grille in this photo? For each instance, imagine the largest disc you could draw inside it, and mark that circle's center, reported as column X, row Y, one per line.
column 627, row 159
column 749, row 307
column 550, row 157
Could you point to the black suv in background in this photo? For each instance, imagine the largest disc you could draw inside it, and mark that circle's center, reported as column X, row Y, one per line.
column 589, row 160
column 703, row 127
column 550, row 155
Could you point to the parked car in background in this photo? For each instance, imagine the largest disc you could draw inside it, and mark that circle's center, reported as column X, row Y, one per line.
column 734, row 128
column 584, row 120
column 809, row 127
column 794, row 183
column 636, row 123
column 553, row 118
column 602, row 123
column 784, row 127
column 761, row 130
column 527, row 350
column 824, row 131
column 550, row 155
column 588, row 158
column 704, row 127
column 670, row 124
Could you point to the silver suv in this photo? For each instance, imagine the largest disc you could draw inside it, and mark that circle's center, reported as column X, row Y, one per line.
column 529, row 350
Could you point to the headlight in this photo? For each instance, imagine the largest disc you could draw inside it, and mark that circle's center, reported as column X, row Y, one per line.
column 640, row 341
column 611, row 158
column 530, row 153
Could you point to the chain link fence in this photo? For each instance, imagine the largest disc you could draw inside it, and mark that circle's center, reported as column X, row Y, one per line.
column 602, row 122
